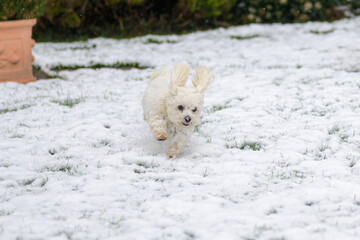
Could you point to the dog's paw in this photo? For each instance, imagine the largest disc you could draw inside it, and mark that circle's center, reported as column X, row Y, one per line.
column 172, row 153
column 161, row 136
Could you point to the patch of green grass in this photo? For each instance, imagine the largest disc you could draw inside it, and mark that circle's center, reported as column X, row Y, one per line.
column 40, row 74
column 322, row 32
column 197, row 128
column 5, row 165
column 259, row 230
column 69, row 102
column 335, row 129
column 158, row 41
column 6, row 110
column 298, row 174
column 352, row 70
column 226, row 105
column 107, row 126
column 287, row 175
column 352, row 163
column 17, row 135
column 278, row 81
column 117, row 65
column 318, row 112
column 353, row 160
column 138, row 171
column 272, row 211
column 344, row 137
column 323, row 147
column 66, row 168
column 4, row 213
column 43, row 182
column 241, row 37
column 216, row 108
column 105, row 142
column 84, row 47
column 255, row 146
column 28, row 181
column 147, row 165
column 246, row 145
column 93, row 46
column 52, row 151
column 205, row 173
column 189, row 235
column 137, row 79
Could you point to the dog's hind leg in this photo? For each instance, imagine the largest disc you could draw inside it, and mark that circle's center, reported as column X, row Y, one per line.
column 158, row 127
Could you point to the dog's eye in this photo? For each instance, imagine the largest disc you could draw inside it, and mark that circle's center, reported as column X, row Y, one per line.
column 194, row 109
column 180, row 107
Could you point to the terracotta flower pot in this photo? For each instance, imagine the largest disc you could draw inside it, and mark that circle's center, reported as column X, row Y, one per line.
column 15, row 51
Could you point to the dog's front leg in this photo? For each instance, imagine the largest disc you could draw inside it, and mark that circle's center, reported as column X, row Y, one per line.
column 158, row 127
column 177, row 144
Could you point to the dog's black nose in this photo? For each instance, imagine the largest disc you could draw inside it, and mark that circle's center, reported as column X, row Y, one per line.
column 187, row 119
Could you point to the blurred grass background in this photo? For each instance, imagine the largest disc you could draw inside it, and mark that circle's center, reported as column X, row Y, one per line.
column 69, row 20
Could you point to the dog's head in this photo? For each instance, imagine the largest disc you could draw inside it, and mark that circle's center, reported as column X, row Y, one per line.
column 184, row 105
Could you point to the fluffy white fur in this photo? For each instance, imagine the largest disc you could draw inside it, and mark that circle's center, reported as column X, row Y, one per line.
column 173, row 110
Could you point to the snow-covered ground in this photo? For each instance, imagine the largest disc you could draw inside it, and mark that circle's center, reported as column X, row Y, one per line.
column 276, row 157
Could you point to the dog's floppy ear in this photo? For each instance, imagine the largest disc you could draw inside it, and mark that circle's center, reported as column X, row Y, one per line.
column 179, row 75
column 203, row 78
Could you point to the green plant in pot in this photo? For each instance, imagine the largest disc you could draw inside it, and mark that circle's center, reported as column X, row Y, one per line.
column 17, row 17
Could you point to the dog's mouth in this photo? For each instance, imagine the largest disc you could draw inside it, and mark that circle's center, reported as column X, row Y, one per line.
column 185, row 124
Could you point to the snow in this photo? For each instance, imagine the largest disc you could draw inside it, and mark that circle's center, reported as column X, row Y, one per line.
column 94, row 171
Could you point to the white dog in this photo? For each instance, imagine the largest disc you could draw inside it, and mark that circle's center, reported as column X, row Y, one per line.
column 173, row 110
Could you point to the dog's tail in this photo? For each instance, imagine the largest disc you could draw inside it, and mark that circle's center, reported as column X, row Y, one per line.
column 179, row 75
